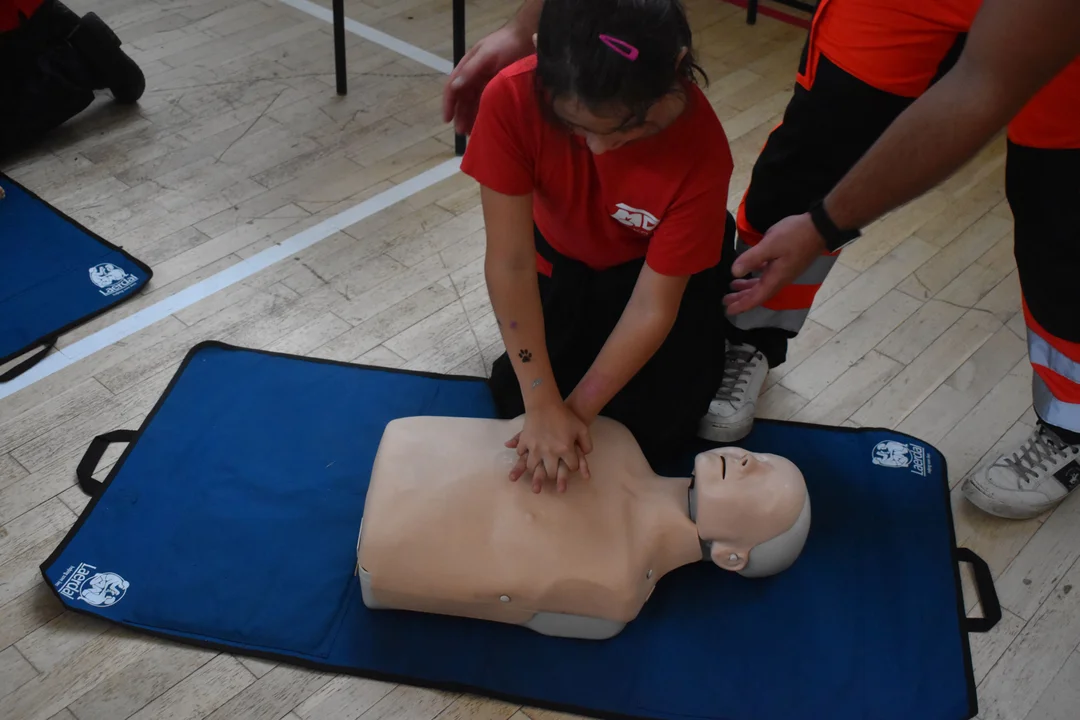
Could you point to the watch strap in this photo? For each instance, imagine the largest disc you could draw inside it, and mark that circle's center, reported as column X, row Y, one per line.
column 835, row 238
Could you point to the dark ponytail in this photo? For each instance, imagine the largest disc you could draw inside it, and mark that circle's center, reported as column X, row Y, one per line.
column 573, row 59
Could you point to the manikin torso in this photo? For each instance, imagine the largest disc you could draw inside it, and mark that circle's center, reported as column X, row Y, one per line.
column 445, row 531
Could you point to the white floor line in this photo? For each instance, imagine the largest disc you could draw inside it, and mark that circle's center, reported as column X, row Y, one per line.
column 229, row 276
column 376, row 36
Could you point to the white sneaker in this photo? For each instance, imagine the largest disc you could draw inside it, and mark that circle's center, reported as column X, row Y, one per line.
column 1028, row 480
column 731, row 413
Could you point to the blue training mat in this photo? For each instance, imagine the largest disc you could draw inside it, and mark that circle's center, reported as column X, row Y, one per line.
column 231, row 521
column 54, row 275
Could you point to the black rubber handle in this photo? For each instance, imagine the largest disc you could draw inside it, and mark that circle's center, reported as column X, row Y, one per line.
column 85, row 471
column 984, row 586
column 29, row 362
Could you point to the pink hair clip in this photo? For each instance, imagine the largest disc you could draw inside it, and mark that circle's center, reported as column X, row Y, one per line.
column 622, row 47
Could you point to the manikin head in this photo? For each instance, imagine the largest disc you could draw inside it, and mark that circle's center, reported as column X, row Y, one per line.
column 752, row 510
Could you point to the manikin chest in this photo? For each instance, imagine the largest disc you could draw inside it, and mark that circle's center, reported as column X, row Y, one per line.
column 446, row 528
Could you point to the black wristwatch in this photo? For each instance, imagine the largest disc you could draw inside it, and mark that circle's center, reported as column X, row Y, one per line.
column 835, row 238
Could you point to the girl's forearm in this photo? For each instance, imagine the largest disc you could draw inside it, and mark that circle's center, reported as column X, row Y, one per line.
column 515, row 298
column 636, row 338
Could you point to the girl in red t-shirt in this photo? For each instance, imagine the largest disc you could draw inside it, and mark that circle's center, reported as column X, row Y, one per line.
column 604, row 180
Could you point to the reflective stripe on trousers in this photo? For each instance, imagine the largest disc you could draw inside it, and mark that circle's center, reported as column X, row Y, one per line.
column 1055, row 382
column 787, row 309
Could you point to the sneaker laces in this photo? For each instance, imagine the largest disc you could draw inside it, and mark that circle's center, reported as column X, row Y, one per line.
column 736, row 372
column 1034, row 455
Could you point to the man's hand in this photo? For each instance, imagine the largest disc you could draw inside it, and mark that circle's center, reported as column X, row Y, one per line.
column 461, row 96
column 786, row 250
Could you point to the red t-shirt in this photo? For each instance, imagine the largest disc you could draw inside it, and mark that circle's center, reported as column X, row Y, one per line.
column 662, row 197
column 10, row 10
column 1051, row 119
column 893, row 45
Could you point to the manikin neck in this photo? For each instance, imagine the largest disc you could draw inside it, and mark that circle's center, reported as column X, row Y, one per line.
column 680, row 544
column 691, row 504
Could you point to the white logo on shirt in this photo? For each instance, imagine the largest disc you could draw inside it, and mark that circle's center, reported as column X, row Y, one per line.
column 637, row 219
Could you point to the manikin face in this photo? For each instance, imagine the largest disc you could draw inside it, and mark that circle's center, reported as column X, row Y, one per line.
column 744, row 499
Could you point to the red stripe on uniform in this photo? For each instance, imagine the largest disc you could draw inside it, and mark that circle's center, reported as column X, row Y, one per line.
column 806, row 78
column 1061, row 388
column 543, row 266
column 793, row 297
column 1070, row 350
column 747, row 233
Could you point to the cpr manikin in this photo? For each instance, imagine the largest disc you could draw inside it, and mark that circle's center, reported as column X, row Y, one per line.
column 445, row 531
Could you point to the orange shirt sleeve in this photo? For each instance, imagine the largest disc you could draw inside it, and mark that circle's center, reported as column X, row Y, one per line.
column 690, row 236
column 500, row 154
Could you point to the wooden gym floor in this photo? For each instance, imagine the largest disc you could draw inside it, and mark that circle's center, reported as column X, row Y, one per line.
column 240, row 143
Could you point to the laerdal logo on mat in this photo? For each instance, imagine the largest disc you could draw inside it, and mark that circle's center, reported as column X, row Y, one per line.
column 110, row 279
column 635, row 218
column 100, row 589
column 895, row 454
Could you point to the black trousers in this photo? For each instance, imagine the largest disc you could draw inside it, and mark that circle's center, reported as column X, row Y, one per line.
column 1042, row 187
column 43, row 79
column 824, row 132
column 664, row 402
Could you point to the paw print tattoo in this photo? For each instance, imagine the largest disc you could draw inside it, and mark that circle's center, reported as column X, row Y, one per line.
column 525, row 355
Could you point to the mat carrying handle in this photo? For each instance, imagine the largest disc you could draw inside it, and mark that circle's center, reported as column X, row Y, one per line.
column 984, row 586
column 47, row 344
column 85, row 471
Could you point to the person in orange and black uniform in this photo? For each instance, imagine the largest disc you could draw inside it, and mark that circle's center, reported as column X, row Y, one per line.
column 53, row 62
column 1019, row 70
column 864, row 63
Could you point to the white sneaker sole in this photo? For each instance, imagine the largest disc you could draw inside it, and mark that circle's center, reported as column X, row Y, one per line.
column 975, row 495
column 709, row 430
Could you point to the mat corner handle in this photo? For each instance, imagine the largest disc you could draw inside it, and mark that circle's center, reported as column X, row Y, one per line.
column 984, row 586
column 90, row 459
column 46, row 345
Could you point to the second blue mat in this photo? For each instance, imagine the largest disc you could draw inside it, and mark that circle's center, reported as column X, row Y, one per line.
column 54, row 275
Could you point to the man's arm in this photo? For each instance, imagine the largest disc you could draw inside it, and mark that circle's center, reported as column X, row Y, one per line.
column 1013, row 49
column 527, row 18
column 641, row 330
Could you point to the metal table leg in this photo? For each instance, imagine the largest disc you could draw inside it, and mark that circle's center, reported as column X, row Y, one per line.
column 459, row 52
column 339, row 46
